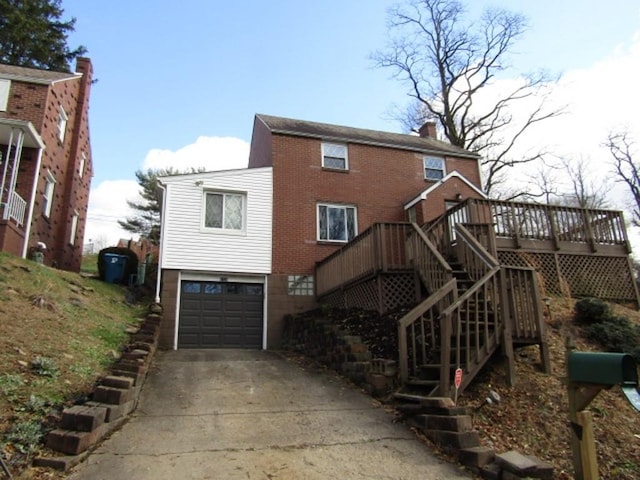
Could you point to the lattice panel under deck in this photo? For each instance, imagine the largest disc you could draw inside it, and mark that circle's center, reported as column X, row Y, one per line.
column 398, row 290
column 362, row 295
column 608, row 278
column 544, row 264
column 334, row 300
column 602, row 277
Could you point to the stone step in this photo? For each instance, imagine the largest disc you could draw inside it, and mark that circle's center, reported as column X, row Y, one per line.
column 516, row 465
column 476, row 457
column 83, row 418
column 453, row 441
column 117, row 382
column 456, row 423
column 110, row 395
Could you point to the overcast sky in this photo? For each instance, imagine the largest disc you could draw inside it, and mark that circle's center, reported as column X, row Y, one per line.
column 179, row 82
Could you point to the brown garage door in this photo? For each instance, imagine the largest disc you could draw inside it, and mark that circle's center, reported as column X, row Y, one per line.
column 220, row 315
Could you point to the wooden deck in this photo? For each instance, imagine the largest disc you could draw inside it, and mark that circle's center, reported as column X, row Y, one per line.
column 475, row 278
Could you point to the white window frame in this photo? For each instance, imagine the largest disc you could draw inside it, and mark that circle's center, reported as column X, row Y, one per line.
column 428, row 158
column 223, row 229
column 49, row 188
column 83, row 161
column 74, row 227
column 328, row 151
column 5, row 88
column 341, row 207
column 62, row 123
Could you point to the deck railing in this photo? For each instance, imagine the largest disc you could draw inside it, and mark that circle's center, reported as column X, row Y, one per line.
column 529, row 221
column 380, row 248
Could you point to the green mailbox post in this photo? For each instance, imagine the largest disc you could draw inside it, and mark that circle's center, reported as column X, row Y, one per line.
column 588, row 373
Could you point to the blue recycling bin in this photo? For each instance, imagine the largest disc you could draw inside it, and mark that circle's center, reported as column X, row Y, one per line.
column 114, row 267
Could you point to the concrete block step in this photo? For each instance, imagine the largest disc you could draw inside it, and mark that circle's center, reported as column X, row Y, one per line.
column 83, row 418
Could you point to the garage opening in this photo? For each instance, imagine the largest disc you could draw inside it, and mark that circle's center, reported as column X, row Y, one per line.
column 220, row 315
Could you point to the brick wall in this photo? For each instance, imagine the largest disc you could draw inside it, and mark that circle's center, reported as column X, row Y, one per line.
column 379, row 181
column 63, row 159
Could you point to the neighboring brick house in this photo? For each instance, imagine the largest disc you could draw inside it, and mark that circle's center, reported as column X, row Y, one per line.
column 46, row 165
column 327, row 183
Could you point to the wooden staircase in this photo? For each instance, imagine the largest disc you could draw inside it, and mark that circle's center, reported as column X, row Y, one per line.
column 473, row 305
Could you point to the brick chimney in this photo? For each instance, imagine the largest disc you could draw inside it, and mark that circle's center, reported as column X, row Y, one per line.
column 428, row 130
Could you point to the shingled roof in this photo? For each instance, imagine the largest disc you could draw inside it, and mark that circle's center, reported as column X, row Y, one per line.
column 327, row 131
column 35, row 75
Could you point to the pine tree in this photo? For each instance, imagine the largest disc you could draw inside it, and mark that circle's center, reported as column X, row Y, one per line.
column 33, row 34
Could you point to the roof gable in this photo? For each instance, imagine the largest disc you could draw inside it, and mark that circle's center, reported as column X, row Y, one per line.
column 326, row 131
column 423, row 195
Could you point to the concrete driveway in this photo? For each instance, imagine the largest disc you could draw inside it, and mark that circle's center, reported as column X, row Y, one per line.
column 237, row 414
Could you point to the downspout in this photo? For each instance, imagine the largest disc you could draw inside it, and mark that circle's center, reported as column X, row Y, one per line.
column 32, row 201
column 162, row 233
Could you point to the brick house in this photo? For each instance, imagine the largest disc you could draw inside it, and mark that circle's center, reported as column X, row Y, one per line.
column 46, row 165
column 328, row 184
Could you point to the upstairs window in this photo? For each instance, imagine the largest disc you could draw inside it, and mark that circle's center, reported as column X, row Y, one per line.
column 334, row 155
column 224, row 211
column 5, row 86
column 434, row 168
column 336, row 223
column 62, row 123
column 49, row 186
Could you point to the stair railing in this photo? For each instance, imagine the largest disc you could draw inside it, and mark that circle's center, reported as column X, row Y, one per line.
column 472, row 325
column 433, row 269
column 417, row 336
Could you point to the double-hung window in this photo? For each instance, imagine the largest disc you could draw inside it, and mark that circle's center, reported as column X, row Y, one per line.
column 224, row 211
column 336, row 223
column 49, row 186
column 62, row 123
column 74, row 227
column 334, row 155
column 434, row 168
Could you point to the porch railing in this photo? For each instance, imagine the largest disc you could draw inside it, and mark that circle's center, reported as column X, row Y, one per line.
column 381, row 247
column 16, row 209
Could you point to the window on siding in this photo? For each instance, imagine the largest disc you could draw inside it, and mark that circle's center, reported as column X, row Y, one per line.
column 74, row 228
column 336, row 223
column 49, row 187
column 334, row 155
column 224, row 211
column 5, row 87
column 62, row 124
column 434, row 168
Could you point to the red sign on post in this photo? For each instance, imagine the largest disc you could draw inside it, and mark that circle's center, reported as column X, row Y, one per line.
column 458, row 378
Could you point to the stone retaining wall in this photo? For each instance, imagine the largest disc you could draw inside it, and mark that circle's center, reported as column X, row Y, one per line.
column 114, row 397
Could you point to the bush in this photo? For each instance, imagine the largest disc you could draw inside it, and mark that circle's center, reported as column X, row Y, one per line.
column 591, row 310
column 131, row 268
column 616, row 334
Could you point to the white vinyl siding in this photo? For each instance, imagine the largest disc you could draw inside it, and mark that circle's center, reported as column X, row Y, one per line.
column 189, row 246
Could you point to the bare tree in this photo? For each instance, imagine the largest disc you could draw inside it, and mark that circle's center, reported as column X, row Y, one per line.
column 586, row 191
column 621, row 146
column 448, row 62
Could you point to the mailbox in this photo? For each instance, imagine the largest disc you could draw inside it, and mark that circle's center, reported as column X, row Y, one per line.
column 603, row 368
